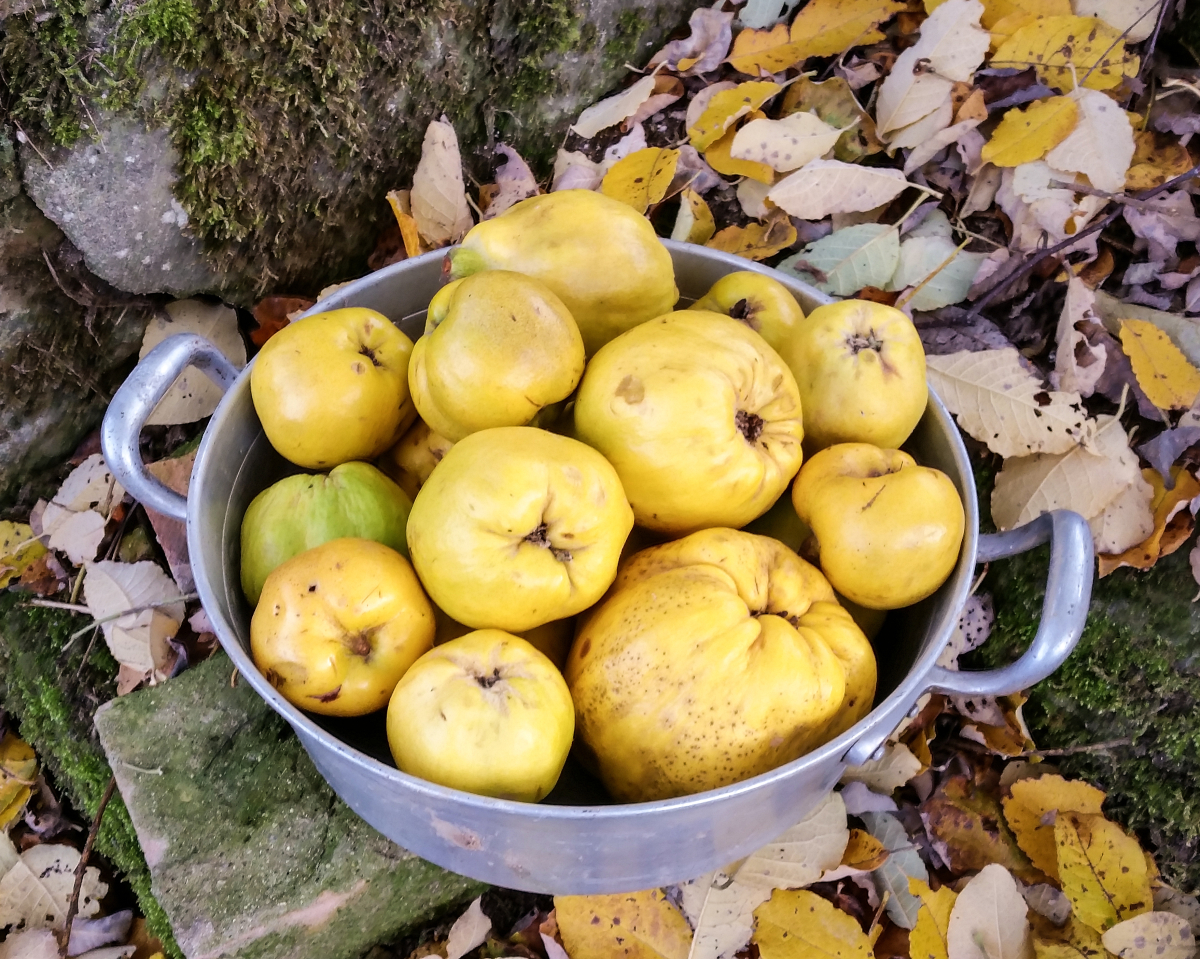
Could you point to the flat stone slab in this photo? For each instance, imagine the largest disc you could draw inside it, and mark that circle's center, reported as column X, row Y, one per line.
column 250, row 852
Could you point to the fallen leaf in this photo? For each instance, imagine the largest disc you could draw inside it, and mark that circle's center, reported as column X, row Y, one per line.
column 785, row 144
column 439, row 201
column 1062, row 48
column 1152, row 935
column 925, row 151
column 722, row 913
column 1049, row 903
column 848, row 260
column 635, row 925
column 574, row 171
column 1026, row 135
column 18, row 771
column 273, row 313
column 1162, row 221
column 1078, row 365
column 1102, row 869
column 903, row 863
column 470, row 930
column 1073, row 941
column 998, row 402
column 909, row 94
column 90, row 485
column 401, row 203
column 718, row 156
column 765, row 51
column 834, row 102
column 152, row 605
column 1030, row 809
column 90, row 935
column 822, row 187
column 641, row 179
column 1162, row 451
column 1173, row 523
column 752, row 198
column 19, row 549
column 941, row 272
column 1100, row 145
column 1184, row 331
column 825, row 28
column 1169, row 899
column 756, row 241
column 667, row 90
column 1134, row 19
column 988, row 919
column 726, row 108
column 694, row 172
column 892, row 770
column 694, row 223
column 928, row 937
column 35, row 888
column 1156, row 159
column 514, row 180
column 863, row 852
column 704, row 49
column 800, row 924
column 971, row 631
column 1162, row 370
column 803, row 853
column 615, row 109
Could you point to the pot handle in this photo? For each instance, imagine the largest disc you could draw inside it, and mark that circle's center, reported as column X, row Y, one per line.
column 135, row 401
column 1064, row 613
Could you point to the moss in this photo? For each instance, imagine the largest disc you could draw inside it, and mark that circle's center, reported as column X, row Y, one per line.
column 623, row 47
column 38, row 664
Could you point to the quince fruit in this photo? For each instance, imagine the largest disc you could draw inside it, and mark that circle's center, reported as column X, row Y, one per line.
column 498, row 348
column 338, row 625
column 715, row 658
column 700, row 417
column 888, row 531
column 410, row 461
column 552, row 639
column 761, row 302
column 860, row 368
column 303, row 511
column 602, row 259
column 485, row 713
column 333, row 387
column 516, row 527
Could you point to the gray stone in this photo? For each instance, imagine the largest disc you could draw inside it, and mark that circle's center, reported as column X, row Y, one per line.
column 112, row 197
column 250, row 853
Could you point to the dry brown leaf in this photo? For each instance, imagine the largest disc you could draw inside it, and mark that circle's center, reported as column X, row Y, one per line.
column 756, row 241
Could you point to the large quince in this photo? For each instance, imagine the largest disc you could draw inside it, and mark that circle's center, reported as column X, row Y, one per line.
column 338, row 625
column 516, row 527
column 486, row 713
column 888, row 531
column 602, row 259
column 714, row 658
column 333, row 387
column 498, row 348
column 860, row 367
column 700, row 417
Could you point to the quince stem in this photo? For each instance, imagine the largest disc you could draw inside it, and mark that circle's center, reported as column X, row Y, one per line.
column 462, row 262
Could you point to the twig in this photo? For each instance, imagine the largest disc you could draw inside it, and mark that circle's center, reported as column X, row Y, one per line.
column 53, row 604
column 185, row 598
column 1072, row 750
column 73, row 908
column 29, row 140
column 1149, row 54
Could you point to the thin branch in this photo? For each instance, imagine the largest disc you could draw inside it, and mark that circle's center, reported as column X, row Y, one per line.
column 1073, row 750
column 185, row 598
column 1149, row 53
column 73, row 908
column 53, row 604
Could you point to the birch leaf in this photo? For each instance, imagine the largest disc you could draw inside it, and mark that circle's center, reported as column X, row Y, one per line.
column 825, row 28
column 849, row 259
column 1031, row 808
column 923, row 130
column 801, row 925
column 634, row 925
column 988, row 919
column 1184, row 331
column 770, row 51
column 1102, row 869
column 726, row 108
column 153, row 607
column 928, row 937
column 1162, row 371
column 786, row 144
column 469, row 931
column 1101, row 144
column 642, row 178
column 193, row 395
column 822, row 187
column 756, row 241
column 723, row 911
column 1026, row 135
column 439, row 201
column 1134, row 19
column 615, row 109
column 694, row 222
column 1152, row 935
column 803, row 853
column 77, row 535
column 903, row 863
column 1062, row 48
column 1000, row 403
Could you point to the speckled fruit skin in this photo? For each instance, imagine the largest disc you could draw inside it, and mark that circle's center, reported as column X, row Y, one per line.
column 338, row 625
column 333, row 387
column 713, row 659
column 888, row 531
column 761, row 302
column 486, row 713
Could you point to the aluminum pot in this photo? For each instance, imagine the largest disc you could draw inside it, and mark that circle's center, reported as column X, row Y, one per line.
column 577, row 841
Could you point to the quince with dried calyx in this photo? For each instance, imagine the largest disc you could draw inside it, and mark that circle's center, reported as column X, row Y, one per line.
column 713, row 659
column 888, row 531
column 498, row 348
column 700, row 417
column 409, row 463
column 761, row 302
column 602, row 259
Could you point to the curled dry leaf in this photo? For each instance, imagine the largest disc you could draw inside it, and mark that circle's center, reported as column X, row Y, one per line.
column 439, row 201
column 860, row 798
column 1078, row 364
column 1103, row 870
column 514, row 181
column 574, row 171
column 615, row 109
column 971, row 631
column 704, row 49
column 822, row 187
column 752, row 197
column 667, row 90
column 694, row 223
column 469, row 931
column 1173, row 524
column 989, row 919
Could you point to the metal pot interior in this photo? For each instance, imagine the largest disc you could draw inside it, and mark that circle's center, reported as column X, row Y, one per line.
column 236, row 462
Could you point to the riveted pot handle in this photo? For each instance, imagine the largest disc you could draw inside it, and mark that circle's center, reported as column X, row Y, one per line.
column 135, row 401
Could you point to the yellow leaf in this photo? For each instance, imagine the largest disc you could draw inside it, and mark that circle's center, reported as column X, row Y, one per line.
column 1029, row 813
column 1074, row 941
column 1169, row 514
column 928, row 937
column 19, row 549
column 834, row 102
column 641, row 179
column 632, row 925
column 1102, row 870
column 828, row 27
column 1156, row 160
column 718, row 157
column 864, row 851
column 801, row 925
column 399, row 202
column 1152, row 935
column 726, row 107
column 695, row 222
column 997, row 10
column 771, row 50
column 1027, row 135
column 1056, row 44
column 18, row 769
column 757, row 241
column 1163, row 372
